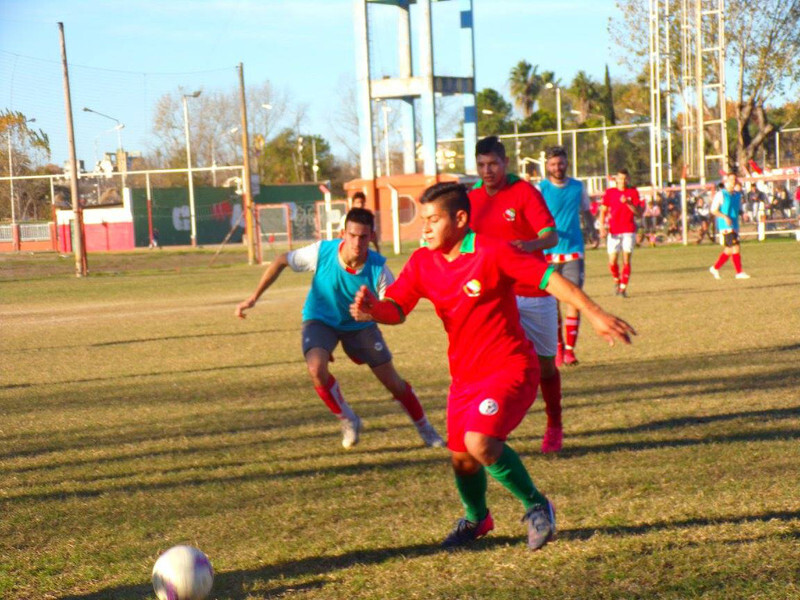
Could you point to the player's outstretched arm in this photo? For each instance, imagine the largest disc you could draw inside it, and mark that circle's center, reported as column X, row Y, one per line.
column 271, row 273
column 606, row 325
column 367, row 307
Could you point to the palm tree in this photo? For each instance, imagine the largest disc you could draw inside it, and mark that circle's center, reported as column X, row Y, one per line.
column 525, row 83
column 585, row 93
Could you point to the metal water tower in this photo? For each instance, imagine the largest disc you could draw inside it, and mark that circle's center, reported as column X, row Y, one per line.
column 408, row 86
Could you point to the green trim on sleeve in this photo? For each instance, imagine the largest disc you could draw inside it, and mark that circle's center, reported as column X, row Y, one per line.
column 545, row 230
column 546, row 277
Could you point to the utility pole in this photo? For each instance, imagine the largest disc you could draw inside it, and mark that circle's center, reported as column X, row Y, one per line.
column 81, row 262
column 246, row 184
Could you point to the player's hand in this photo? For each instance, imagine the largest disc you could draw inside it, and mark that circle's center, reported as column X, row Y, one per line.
column 610, row 327
column 363, row 303
column 243, row 306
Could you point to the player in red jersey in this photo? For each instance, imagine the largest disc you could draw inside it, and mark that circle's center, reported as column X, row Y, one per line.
column 471, row 280
column 622, row 205
column 508, row 208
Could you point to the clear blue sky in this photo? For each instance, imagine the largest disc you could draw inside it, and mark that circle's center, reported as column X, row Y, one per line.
column 124, row 55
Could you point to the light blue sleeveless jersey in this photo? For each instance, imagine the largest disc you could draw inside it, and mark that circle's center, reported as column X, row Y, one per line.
column 564, row 204
column 732, row 207
column 333, row 287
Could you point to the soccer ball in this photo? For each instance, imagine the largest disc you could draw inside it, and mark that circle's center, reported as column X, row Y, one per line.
column 182, row 573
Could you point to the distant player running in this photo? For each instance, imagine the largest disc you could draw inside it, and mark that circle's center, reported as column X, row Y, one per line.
column 505, row 207
column 727, row 207
column 567, row 200
column 471, row 280
column 622, row 205
column 341, row 268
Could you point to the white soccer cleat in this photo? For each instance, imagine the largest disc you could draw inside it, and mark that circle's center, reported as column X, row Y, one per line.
column 742, row 275
column 350, row 430
column 714, row 272
column 430, row 436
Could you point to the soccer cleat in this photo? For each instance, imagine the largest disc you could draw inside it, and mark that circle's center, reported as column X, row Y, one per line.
column 714, row 272
column 350, row 431
column 742, row 275
column 569, row 359
column 467, row 532
column 541, row 521
column 617, row 289
column 552, row 440
column 623, row 291
column 430, row 436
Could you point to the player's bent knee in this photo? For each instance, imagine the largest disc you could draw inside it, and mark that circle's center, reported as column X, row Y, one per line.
column 485, row 449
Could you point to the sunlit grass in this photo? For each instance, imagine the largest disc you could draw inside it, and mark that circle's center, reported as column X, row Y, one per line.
column 137, row 413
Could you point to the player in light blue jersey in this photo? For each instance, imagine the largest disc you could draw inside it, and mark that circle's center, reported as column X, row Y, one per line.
column 727, row 207
column 567, row 200
column 340, row 268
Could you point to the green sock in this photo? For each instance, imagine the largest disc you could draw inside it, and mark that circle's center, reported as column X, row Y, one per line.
column 472, row 489
column 511, row 473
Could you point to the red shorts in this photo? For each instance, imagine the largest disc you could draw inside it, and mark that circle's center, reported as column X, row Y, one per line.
column 493, row 406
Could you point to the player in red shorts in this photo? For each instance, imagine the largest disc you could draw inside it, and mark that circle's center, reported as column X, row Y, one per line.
column 471, row 279
column 622, row 205
column 505, row 207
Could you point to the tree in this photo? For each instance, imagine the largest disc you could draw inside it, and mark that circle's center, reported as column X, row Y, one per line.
column 29, row 148
column 584, row 93
column 494, row 113
column 607, row 100
column 761, row 44
column 525, row 84
column 214, row 128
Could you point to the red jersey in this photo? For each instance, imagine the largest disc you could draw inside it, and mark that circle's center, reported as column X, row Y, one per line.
column 620, row 217
column 516, row 212
column 473, row 296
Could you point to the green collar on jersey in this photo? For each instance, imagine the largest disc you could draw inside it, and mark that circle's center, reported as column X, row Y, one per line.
column 511, row 178
column 468, row 243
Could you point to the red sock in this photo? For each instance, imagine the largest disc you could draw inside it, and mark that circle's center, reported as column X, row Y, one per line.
column 551, row 394
column 332, row 397
column 560, row 332
column 626, row 275
column 572, row 332
column 723, row 258
column 408, row 399
column 737, row 262
column 614, row 268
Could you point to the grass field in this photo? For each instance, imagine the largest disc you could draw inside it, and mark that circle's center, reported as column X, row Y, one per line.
column 137, row 413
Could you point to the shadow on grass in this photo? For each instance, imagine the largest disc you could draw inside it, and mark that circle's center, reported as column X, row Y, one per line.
column 691, row 421
column 167, row 338
column 49, row 384
column 213, row 479
column 237, row 585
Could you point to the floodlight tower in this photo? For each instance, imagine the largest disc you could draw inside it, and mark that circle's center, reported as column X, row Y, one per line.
column 409, row 87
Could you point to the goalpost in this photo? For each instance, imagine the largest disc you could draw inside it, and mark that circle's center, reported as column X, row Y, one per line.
column 274, row 226
column 328, row 222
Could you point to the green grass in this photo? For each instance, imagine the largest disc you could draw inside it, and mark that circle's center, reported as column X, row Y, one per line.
column 137, row 413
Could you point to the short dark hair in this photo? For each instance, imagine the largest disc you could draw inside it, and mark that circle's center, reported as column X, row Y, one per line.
column 360, row 215
column 554, row 152
column 452, row 195
column 490, row 145
column 360, row 196
column 623, row 171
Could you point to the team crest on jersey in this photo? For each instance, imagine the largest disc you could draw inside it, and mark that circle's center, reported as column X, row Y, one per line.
column 488, row 407
column 510, row 214
column 473, row 288
column 378, row 346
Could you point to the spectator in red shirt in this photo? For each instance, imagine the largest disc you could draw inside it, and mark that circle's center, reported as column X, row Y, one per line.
column 471, row 281
column 622, row 205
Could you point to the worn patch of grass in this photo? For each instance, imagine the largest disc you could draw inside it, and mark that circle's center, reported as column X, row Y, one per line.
column 136, row 413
